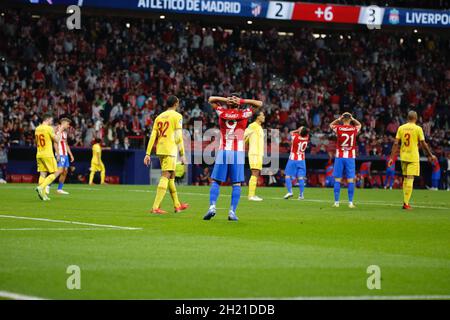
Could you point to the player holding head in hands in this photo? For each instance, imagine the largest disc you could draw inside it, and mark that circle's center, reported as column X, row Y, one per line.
column 409, row 137
column 167, row 132
column 230, row 158
column 254, row 137
column 45, row 157
column 296, row 165
column 64, row 153
column 346, row 129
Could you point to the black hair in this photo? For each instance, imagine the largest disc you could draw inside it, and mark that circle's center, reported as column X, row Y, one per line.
column 257, row 113
column 346, row 115
column 236, row 94
column 304, row 132
column 171, row 101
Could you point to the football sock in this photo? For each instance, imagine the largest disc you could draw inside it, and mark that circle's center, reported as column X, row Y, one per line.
column 337, row 191
column 47, row 181
column 214, row 193
column 407, row 189
column 102, row 176
column 91, row 177
column 160, row 192
column 435, row 183
column 301, row 185
column 252, row 186
column 289, row 184
column 235, row 196
column 60, row 186
column 391, row 182
column 351, row 191
column 173, row 193
column 41, row 179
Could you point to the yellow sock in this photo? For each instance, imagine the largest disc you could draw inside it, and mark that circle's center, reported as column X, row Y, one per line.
column 91, row 177
column 102, row 176
column 252, row 186
column 47, row 181
column 407, row 189
column 173, row 193
column 160, row 192
column 41, row 179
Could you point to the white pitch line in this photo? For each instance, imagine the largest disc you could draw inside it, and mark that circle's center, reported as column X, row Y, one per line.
column 50, row 229
column 18, row 296
column 399, row 297
column 71, row 222
column 367, row 202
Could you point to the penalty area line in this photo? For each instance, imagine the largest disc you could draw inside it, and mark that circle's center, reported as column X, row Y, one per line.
column 18, row 296
column 71, row 222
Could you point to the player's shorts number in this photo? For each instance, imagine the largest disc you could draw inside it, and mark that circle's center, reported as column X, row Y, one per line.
column 40, row 140
column 407, row 139
column 162, row 128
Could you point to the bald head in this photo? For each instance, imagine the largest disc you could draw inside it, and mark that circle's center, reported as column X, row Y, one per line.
column 412, row 116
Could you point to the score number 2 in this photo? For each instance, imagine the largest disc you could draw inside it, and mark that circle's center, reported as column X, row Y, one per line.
column 280, row 10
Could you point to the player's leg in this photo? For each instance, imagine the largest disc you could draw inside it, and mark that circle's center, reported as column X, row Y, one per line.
column 301, row 174
column 350, row 174
column 237, row 177
column 337, row 174
column 162, row 185
column 93, row 170
column 392, row 179
column 252, row 184
column 64, row 165
column 410, row 169
column 290, row 171
column 173, row 190
column 102, row 173
column 54, row 171
column 219, row 174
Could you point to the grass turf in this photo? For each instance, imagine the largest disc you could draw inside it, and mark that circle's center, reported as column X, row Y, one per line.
column 278, row 248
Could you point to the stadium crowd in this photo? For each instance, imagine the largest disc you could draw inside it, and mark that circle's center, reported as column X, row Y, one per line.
column 113, row 76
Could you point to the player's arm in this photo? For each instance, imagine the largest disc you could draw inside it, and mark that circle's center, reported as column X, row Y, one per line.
column 247, row 133
column 254, row 103
column 180, row 143
column 215, row 101
column 151, row 142
column 72, row 159
column 335, row 123
column 55, row 138
column 394, row 151
column 295, row 131
column 425, row 147
column 358, row 124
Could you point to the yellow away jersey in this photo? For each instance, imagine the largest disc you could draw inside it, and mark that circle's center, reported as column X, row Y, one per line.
column 44, row 137
column 96, row 149
column 410, row 134
column 163, row 134
column 254, row 135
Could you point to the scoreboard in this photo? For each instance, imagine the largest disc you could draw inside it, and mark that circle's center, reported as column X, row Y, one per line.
column 371, row 16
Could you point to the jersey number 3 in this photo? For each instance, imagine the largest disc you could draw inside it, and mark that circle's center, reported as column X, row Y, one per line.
column 407, row 139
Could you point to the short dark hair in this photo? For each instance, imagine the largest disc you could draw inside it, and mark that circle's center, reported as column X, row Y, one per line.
column 171, row 101
column 46, row 116
column 346, row 115
column 257, row 113
column 304, row 132
column 236, row 94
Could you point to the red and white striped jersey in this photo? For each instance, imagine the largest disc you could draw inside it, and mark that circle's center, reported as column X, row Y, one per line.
column 346, row 141
column 232, row 124
column 62, row 144
column 298, row 146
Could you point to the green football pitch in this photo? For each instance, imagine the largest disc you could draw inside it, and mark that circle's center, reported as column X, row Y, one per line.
column 278, row 249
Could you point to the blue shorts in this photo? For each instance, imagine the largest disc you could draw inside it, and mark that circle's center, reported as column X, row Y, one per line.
column 344, row 166
column 436, row 175
column 295, row 168
column 390, row 172
column 329, row 181
column 229, row 164
column 63, row 162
